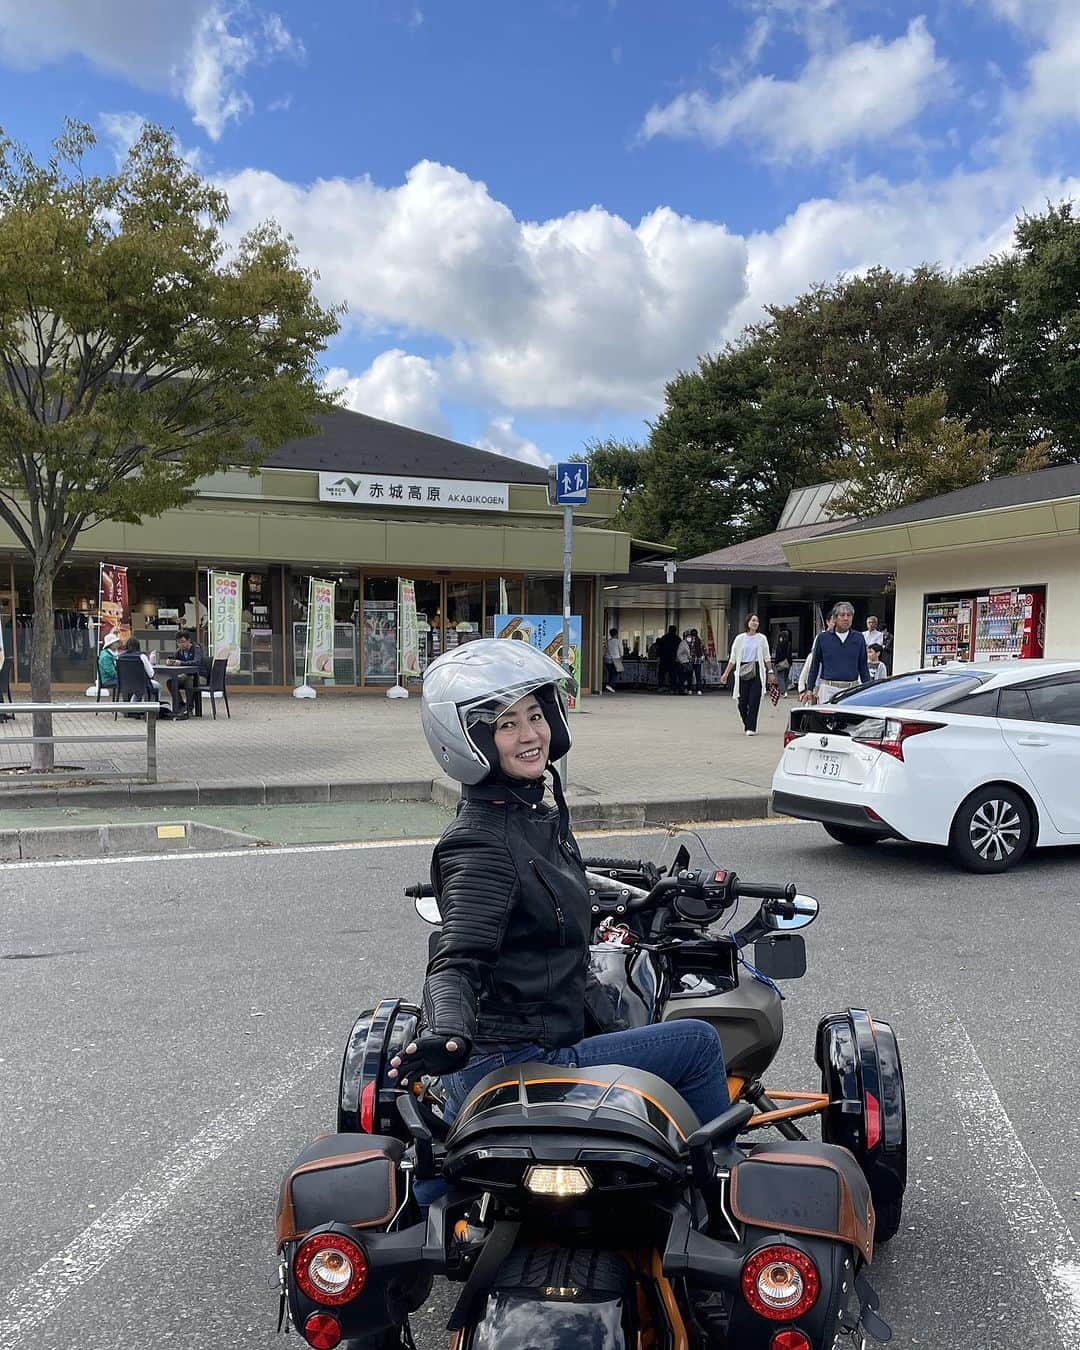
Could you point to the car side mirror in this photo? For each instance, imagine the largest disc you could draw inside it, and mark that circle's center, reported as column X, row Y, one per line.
column 806, row 911
column 428, row 909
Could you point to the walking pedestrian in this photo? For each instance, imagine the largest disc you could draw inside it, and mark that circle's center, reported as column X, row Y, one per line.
column 697, row 661
column 682, row 665
column 752, row 664
column 782, row 658
column 839, row 659
column 612, row 660
column 666, row 650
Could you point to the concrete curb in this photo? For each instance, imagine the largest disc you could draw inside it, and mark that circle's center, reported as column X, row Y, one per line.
column 97, row 841
column 586, row 809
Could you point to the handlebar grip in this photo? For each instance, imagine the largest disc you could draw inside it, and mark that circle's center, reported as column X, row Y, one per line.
column 423, row 890
column 760, row 890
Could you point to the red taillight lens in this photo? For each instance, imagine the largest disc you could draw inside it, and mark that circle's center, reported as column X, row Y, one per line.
column 780, row 1282
column 893, row 734
column 330, row 1268
column 323, row 1331
column 790, row 736
column 790, row 1339
column 873, row 1121
column 367, row 1108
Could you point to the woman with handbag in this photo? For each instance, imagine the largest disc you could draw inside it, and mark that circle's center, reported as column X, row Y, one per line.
column 752, row 663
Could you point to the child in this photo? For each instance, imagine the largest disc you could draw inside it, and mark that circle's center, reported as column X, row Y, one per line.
column 876, row 664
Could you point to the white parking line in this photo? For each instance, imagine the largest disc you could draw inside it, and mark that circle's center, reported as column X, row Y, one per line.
column 1030, row 1210
column 34, row 1301
column 276, row 850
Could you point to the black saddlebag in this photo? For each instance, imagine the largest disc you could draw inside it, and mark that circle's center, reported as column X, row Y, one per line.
column 797, row 1186
column 366, row 1096
column 340, row 1178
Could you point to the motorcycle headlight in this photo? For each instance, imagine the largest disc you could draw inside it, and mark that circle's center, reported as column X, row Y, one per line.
column 558, row 1182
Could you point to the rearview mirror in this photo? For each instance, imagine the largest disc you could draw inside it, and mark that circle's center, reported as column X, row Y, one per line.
column 428, row 909
column 806, row 911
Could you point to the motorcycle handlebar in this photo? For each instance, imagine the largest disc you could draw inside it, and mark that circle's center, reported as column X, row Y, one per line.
column 423, row 890
column 761, row 890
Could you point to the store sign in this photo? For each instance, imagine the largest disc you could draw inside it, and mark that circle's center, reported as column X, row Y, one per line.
column 427, row 494
column 225, row 615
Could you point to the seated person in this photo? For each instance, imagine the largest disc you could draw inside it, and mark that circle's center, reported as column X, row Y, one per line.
column 106, row 662
column 133, row 651
column 189, row 653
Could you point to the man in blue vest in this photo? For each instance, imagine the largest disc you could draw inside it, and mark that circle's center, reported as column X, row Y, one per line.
column 838, row 660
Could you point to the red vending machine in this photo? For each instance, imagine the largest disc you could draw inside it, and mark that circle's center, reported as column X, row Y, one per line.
column 1010, row 624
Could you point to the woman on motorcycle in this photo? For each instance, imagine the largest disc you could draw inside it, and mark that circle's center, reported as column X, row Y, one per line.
column 508, row 980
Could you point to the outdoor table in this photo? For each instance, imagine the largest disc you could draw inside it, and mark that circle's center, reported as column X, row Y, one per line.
column 174, row 674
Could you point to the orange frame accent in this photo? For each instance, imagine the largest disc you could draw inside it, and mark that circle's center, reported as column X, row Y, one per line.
column 805, row 1104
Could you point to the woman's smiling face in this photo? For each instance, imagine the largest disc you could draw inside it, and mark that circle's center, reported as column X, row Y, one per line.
column 522, row 738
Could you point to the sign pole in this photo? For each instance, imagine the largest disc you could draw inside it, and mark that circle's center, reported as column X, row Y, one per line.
column 568, row 485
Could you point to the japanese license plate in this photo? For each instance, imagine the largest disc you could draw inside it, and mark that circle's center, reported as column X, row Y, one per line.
column 828, row 766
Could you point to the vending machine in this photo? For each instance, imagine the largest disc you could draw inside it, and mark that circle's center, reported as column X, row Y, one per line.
column 1009, row 624
column 947, row 629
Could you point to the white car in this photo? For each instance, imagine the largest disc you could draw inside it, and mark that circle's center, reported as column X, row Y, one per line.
column 982, row 758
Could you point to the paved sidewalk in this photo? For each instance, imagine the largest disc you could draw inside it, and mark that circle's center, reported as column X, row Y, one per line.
column 629, row 748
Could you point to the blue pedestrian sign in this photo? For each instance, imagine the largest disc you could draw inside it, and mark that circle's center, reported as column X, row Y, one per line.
column 571, row 484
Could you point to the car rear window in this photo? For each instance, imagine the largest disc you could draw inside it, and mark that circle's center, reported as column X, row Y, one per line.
column 920, row 689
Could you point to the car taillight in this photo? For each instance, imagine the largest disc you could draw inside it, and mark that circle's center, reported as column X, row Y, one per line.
column 892, row 735
column 790, row 736
column 330, row 1268
column 323, row 1331
column 780, row 1282
column 367, row 1108
column 790, row 1339
column 873, row 1121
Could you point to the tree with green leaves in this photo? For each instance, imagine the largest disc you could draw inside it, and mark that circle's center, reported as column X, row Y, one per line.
column 138, row 353
column 895, row 456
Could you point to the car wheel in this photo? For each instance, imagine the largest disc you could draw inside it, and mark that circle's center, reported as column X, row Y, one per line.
column 851, row 835
column 992, row 830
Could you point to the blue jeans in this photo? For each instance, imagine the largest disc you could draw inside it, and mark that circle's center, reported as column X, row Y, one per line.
column 685, row 1053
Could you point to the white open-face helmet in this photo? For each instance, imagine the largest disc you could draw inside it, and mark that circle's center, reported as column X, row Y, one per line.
column 467, row 689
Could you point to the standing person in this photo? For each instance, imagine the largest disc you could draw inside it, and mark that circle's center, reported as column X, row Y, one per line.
column 682, row 665
column 874, row 664
column 782, row 658
column 839, row 659
column 106, row 662
column 508, row 980
column 666, row 649
column 612, row 660
column 804, row 670
column 752, row 664
column 873, row 633
column 697, row 661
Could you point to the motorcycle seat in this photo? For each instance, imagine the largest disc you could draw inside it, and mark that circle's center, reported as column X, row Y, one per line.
column 606, row 1099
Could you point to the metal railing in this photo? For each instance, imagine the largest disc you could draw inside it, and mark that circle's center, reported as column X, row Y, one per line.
column 148, row 709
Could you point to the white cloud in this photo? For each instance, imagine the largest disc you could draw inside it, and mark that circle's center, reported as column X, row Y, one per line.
column 499, row 435
column 197, row 48
column 585, row 311
column 398, row 387
column 864, row 91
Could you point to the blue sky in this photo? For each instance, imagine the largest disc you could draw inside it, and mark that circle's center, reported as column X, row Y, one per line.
column 538, row 210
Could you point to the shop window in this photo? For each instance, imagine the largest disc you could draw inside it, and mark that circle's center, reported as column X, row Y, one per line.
column 379, row 633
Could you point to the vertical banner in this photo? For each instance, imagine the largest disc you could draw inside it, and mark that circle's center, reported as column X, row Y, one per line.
column 408, row 632
column 545, row 631
column 320, row 630
column 114, row 606
column 504, row 603
column 226, row 606
column 3, row 658
column 708, row 633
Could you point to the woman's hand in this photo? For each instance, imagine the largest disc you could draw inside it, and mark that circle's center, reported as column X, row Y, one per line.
column 429, row 1054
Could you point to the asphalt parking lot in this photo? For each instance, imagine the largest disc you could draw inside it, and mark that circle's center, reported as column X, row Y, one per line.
column 172, row 1032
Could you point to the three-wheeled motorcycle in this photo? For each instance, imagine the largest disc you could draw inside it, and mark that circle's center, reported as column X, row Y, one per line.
column 590, row 1207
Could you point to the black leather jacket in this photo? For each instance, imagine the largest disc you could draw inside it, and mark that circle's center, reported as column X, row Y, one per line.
column 511, row 960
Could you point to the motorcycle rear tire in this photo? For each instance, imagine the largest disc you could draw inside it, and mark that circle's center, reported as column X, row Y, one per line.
column 390, row 1339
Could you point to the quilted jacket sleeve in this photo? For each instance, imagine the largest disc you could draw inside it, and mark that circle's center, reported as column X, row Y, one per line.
column 477, row 884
